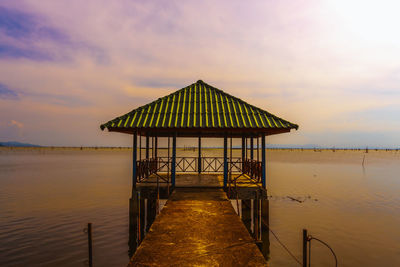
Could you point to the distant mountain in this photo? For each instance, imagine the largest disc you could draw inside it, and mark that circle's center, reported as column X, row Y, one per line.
column 17, row 144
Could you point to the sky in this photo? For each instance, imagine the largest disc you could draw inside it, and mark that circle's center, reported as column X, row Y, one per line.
column 332, row 67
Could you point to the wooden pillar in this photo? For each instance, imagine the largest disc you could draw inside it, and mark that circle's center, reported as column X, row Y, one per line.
column 265, row 249
column 155, row 153
column 141, row 218
column 133, row 223
column 245, row 147
column 173, row 167
column 151, row 210
column 168, row 160
column 140, row 147
column 152, row 147
column 230, row 162
column 147, row 145
column 258, row 148
column 134, row 160
column 243, row 153
column 199, row 159
column 225, row 161
column 256, row 216
column 264, row 184
column 156, row 147
column 246, row 213
column 251, row 148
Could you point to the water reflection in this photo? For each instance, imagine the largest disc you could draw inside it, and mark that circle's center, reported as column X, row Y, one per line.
column 252, row 207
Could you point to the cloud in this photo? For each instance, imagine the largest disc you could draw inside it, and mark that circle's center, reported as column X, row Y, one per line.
column 17, row 124
column 11, row 130
column 77, row 65
column 24, row 34
column 21, row 33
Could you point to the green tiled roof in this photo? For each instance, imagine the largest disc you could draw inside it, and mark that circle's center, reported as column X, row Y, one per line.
column 198, row 105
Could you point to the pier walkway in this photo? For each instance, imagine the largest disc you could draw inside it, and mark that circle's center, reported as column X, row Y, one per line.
column 198, row 227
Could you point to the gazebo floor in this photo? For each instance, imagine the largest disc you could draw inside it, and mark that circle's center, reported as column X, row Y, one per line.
column 199, row 180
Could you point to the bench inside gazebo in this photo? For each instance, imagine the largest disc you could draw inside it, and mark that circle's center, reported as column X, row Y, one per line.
column 199, row 111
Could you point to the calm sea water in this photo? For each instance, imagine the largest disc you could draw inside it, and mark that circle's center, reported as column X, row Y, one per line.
column 48, row 196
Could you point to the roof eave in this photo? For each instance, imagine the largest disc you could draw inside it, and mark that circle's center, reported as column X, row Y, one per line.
column 203, row 132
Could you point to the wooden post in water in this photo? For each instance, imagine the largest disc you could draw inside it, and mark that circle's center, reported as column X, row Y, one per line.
column 304, row 247
column 263, row 175
column 256, row 216
column 134, row 160
column 89, row 232
column 151, row 210
column 173, row 167
column 265, row 226
column 246, row 213
column 133, row 224
column 225, row 161
column 141, row 218
column 199, row 159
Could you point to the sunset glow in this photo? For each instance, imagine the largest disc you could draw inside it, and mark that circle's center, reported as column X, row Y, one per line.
column 333, row 67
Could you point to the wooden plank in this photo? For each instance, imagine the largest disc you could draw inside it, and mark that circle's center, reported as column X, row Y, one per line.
column 198, row 226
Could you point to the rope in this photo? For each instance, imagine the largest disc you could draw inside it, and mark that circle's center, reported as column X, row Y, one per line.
column 269, row 228
column 333, row 253
column 281, row 243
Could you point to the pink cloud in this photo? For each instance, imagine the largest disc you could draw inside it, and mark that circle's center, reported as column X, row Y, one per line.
column 289, row 57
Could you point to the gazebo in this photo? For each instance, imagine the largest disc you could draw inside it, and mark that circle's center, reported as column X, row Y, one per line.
column 199, row 110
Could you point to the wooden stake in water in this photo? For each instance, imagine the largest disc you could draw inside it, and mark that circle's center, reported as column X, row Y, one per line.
column 89, row 232
column 305, row 239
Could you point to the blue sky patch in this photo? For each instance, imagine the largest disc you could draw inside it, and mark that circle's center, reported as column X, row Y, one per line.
column 15, row 23
column 7, row 93
column 20, row 25
column 8, row 51
column 26, row 29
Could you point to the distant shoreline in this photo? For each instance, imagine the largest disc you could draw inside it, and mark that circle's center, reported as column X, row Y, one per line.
column 195, row 148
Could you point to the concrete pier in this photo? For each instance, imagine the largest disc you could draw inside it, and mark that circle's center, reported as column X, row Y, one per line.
column 198, row 227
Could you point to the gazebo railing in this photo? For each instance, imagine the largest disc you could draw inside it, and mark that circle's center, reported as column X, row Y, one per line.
column 147, row 167
column 191, row 164
column 252, row 168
